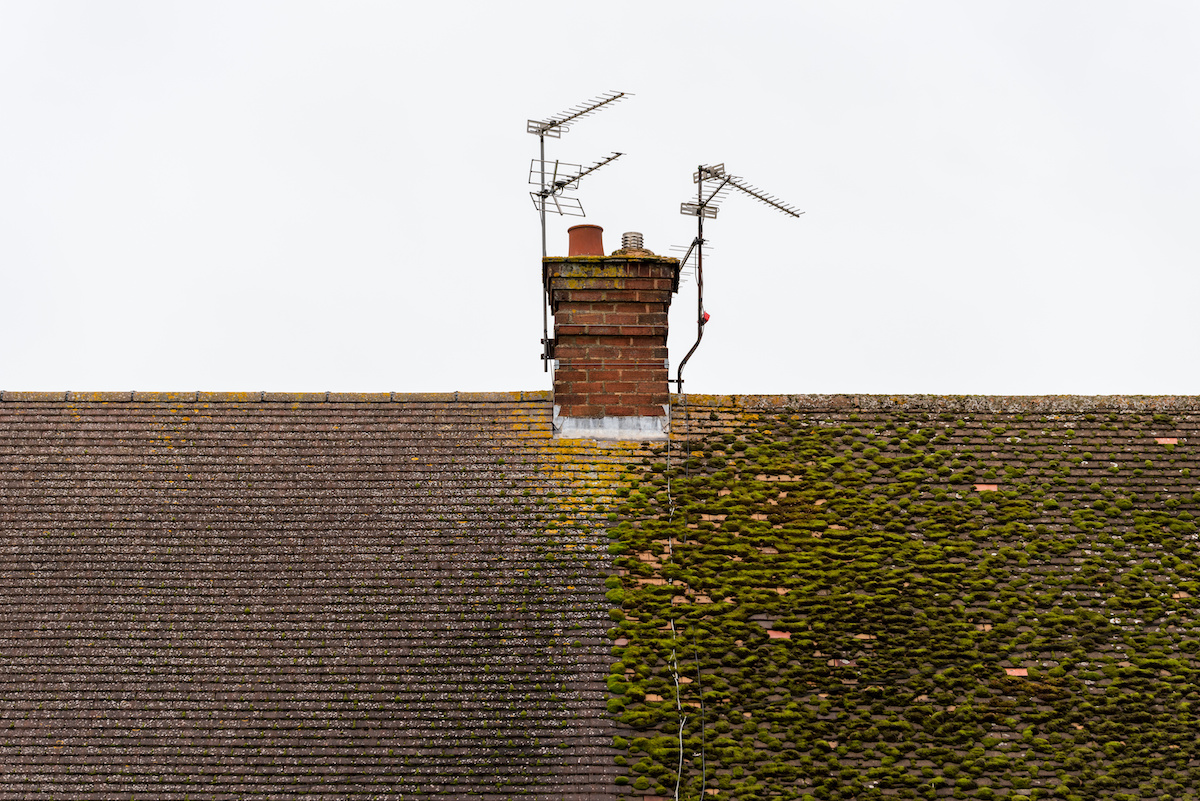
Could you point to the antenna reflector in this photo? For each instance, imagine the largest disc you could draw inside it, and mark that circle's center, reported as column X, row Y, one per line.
column 560, row 204
column 555, row 172
column 705, row 173
column 538, row 128
column 696, row 210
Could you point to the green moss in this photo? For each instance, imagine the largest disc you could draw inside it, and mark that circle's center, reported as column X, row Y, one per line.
column 893, row 584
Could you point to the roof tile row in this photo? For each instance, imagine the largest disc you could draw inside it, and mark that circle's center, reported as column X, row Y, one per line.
column 275, row 397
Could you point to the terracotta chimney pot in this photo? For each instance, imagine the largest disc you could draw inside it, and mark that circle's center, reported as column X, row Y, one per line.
column 585, row 240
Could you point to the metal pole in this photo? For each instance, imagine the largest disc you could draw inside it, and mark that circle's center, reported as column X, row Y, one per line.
column 545, row 282
column 699, row 279
column 699, row 265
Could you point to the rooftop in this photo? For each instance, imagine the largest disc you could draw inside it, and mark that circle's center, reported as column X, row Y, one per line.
column 341, row 594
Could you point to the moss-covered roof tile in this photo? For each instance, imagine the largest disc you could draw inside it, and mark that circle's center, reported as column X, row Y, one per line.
column 978, row 597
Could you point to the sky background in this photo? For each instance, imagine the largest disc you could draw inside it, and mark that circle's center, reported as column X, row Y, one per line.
column 1000, row 198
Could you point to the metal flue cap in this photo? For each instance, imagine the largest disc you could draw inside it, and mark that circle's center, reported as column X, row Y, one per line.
column 632, row 245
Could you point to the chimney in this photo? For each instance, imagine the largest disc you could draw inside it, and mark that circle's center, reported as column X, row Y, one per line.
column 610, row 337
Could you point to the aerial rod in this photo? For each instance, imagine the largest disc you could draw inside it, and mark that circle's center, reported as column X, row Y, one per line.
column 553, row 126
column 606, row 160
column 556, row 184
column 763, row 197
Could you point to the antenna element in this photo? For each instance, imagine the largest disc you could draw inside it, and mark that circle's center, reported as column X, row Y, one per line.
column 706, row 207
column 552, row 179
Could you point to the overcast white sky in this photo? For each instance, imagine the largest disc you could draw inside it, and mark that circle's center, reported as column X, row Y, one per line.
column 1001, row 197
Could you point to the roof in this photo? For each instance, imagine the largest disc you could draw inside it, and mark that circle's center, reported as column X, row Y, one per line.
column 259, row 595
column 837, row 596
column 912, row 596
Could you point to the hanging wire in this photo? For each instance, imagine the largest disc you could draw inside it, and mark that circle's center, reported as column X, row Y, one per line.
column 679, row 709
column 685, row 441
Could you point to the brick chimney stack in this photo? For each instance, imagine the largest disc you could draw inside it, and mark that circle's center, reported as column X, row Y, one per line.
column 610, row 337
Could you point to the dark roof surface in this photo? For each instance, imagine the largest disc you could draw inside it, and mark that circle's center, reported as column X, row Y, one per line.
column 209, row 595
column 915, row 597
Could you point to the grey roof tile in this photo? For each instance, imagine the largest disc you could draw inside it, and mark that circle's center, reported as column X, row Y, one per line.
column 255, row 595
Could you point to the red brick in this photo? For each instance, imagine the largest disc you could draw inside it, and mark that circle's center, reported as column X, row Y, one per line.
column 648, row 283
column 637, row 399
column 621, row 318
column 610, row 352
column 564, row 351
column 604, row 374
column 583, row 316
column 570, row 374
column 576, row 295
column 653, row 297
column 582, row 410
column 613, row 340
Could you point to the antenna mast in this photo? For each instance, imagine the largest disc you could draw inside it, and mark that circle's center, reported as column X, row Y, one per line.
column 551, row 185
column 707, row 200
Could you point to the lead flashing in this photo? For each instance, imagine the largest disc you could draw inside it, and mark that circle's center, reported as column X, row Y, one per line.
column 631, row 428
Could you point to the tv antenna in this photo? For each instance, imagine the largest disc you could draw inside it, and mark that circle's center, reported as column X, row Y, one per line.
column 713, row 185
column 554, row 178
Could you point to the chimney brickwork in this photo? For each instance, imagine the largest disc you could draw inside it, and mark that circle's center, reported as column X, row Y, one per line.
column 610, row 333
